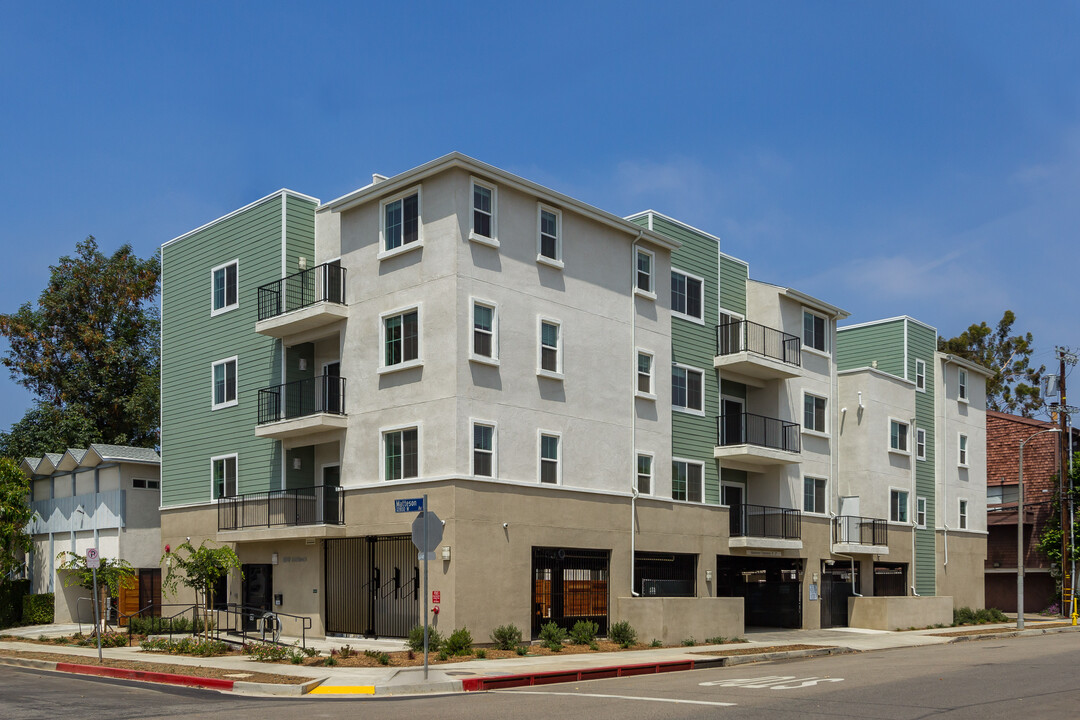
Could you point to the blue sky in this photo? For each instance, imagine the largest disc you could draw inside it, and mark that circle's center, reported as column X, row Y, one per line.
column 917, row 158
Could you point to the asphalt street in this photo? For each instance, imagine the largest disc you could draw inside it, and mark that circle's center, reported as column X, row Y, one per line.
column 1030, row 677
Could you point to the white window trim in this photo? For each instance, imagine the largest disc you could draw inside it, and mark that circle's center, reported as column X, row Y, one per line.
column 383, row 253
column 961, row 385
column 492, row 241
column 688, row 462
column 920, row 455
column 419, row 426
column 557, row 261
column 908, row 509
column 688, row 410
column 214, row 405
column 827, row 352
column 494, row 307
column 651, row 395
column 650, row 292
column 652, row 472
column 963, row 519
column 825, row 512
column 888, row 436
column 963, row 450
column 691, row 318
column 920, row 364
column 235, row 305
column 540, row 371
column 920, row 500
column 473, row 422
column 407, row 364
column 558, row 461
column 214, row 459
column 808, row 431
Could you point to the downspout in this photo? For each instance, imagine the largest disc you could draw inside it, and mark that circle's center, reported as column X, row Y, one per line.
column 914, row 519
column 854, row 591
column 633, row 407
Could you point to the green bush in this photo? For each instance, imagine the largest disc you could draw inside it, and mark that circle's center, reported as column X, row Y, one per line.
column 459, row 642
column 506, row 637
column 416, row 639
column 443, row 655
column 689, row 642
column 480, row 653
column 379, row 657
column 656, row 643
column 37, row 609
column 521, row 650
column 584, row 632
column 718, row 640
column 263, row 652
column 346, row 652
column 13, row 594
column 552, row 634
column 622, row 633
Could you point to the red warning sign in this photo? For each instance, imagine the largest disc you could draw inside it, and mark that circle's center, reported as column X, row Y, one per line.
column 436, row 597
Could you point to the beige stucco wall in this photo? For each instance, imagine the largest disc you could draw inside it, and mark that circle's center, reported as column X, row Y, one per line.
column 672, row 620
column 964, row 577
column 898, row 613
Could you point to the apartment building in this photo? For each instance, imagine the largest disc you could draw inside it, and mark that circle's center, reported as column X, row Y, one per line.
column 460, row 332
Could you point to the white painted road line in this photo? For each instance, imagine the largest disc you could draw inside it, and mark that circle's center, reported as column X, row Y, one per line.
column 623, row 697
column 772, row 682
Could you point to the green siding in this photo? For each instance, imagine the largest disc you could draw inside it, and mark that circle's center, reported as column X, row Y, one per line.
column 300, row 233
column 861, row 346
column 921, row 344
column 192, row 340
column 733, row 277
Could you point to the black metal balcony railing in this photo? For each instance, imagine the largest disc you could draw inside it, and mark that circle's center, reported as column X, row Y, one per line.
column 751, row 429
column 321, row 504
column 860, row 530
column 745, row 336
column 322, row 283
column 764, row 521
column 321, row 394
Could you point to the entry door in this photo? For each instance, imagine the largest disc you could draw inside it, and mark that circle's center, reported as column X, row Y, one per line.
column 330, row 477
column 257, row 593
column 733, row 431
column 836, row 588
column 335, row 291
column 150, row 591
column 332, row 387
column 733, row 497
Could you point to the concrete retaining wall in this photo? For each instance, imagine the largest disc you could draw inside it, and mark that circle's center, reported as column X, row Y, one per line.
column 672, row 620
column 896, row 613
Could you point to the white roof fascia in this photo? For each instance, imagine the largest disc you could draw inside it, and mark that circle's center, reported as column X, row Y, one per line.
column 814, row 303
column 966, row 364
column 898, row 318
column 260, row 201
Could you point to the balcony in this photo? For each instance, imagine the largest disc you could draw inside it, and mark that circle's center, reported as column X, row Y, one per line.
column 757, row 352
column 317, row 505
column 302, row 408
column 764, row 526
column 754, row 442
column 307, row 300
column 860, row 535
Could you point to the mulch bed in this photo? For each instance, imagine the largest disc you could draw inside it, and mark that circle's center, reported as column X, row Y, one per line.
column 760, row 650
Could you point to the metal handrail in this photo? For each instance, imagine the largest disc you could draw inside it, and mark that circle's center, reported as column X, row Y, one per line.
column 856, row 530
column 750, row 429
column 765, row 521
column 746, row 336
column 322, row 283
column 300, row 398
column 313, row 505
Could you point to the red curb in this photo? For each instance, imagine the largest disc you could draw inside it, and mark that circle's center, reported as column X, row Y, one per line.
column 499, row 682
column 158, row 677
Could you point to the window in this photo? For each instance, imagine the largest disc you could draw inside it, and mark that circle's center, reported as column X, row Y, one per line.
column 813, row 413
column 483, row 215
column 686, row 295
column 483, row 450
column 401, row 337
column 644, row 474
column 550, row 348
column 223, row 470
column 814, row 499
column 961, row 388
column 963, row 515
column 224, row 380
column 401, row 454
column 549, row 243
column 549, row 459
column 898, row 436
column 223, row 283
column 920, row 375
column 146, row 484
column 898, row 506
column 644, row 373
column 484, row 346
column 963, row 450
column 687, row 388
column 999, row 494
column 686, row 480
column 920, row 512
column 644, row 281
column 401, row 221
column 813, row 330
column 920, row 444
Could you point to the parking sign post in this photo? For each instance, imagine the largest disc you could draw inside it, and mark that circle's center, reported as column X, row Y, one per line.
column 94, row 562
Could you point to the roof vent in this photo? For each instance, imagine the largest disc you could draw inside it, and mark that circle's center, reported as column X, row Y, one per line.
column 376, row 178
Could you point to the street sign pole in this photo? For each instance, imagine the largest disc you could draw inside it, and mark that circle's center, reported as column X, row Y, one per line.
column 424, row 602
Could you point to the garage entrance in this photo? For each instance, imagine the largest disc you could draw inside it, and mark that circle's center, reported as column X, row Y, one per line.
column 771, row 588
column 836, row 588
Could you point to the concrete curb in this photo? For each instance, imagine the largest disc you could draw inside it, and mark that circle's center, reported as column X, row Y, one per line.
column 242, row 687
column 1014, row 633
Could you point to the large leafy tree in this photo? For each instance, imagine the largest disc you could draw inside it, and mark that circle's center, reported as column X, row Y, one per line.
column 1014, row 386
column 14, row 515
column 198, row 568
column 89, row 352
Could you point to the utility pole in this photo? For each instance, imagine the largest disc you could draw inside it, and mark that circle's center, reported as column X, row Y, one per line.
column 1068, row 571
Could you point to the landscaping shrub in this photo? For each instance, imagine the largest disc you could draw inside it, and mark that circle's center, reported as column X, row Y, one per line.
column 346, row 652
column 506, row 637
column 552, row 634
column 265, row 652
column 480, row 653
column 584, row 632
column 36, row 609
column 967, row 616
column 521, row 650
column 622, row 633
column 459, row 642
column 13, row 594
column 689, row 642
column 718, row 640
column 379, row 657
column 416, row 639
column 188, row 646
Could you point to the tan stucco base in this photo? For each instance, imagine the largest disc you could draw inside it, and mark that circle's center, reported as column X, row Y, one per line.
column 963, row 578
column 897, row 613
column 672, row 620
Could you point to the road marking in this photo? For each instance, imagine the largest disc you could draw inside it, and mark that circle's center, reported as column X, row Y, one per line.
column 674, row 701
column 771, row 682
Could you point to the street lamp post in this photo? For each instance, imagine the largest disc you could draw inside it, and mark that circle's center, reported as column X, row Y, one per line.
column 1020, row 533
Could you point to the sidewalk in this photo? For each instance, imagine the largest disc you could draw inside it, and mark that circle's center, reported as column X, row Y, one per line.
column 491, row 674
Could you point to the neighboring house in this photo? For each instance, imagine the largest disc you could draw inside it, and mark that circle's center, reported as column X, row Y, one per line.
column 464, row 333
column 1004, row 434
column 106, row 496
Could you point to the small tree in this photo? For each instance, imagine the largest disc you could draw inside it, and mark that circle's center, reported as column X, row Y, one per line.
column 111, row 574
column 15, row 513
column 202, row 567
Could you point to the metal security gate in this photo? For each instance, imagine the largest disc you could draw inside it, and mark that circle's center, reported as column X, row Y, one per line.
column 836, row 588
column 372, row 586
column 771, row 588
column 570, row 585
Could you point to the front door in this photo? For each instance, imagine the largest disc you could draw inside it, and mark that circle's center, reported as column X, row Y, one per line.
column 257, row 593
column 330, row 479
column 332, row 400
column 732, row 431
column 837, row 585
